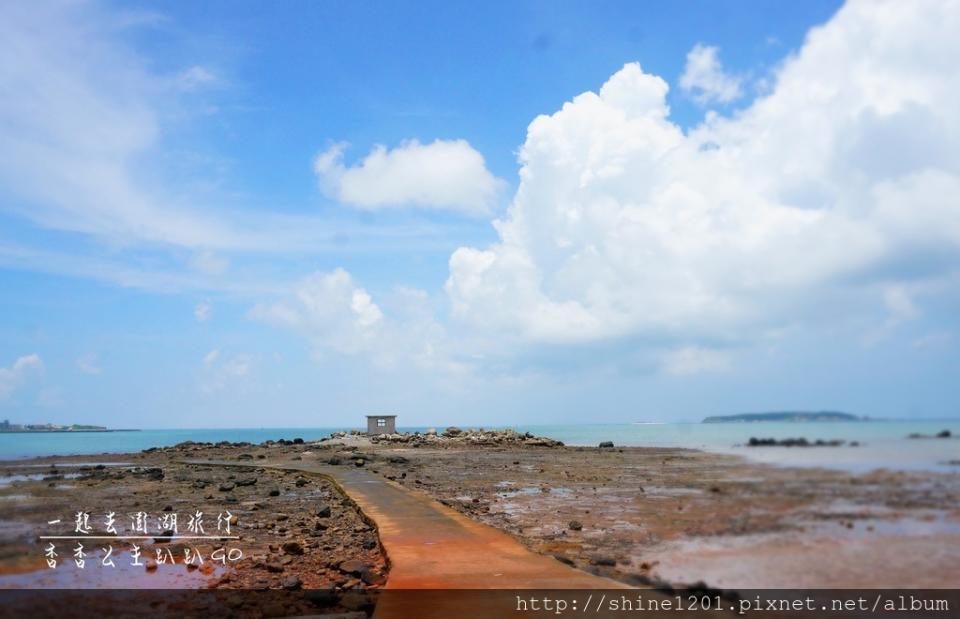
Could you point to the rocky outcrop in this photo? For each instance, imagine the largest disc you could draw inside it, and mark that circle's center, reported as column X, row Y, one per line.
column 454, row 436
column 940, row 434
column 796, row 442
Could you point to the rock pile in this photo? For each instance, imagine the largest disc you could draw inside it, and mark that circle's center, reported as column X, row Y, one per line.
column 454, row 436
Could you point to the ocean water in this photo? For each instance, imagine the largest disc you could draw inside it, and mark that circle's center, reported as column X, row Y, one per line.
column 884, row 444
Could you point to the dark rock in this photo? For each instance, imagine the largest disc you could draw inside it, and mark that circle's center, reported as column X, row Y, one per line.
column 792, row 442
column 292, row 548
column 372, row 578
column 155, row 474
column 603, row 560
column 292, row 583
column 353, row 566
column 575, row 525
column 322, row 597
column 355, row 600
column 245, row 457
column 323, row 512
column 301, row 482
column 227, row 487
column 563, row 559
column 606, row 445
column 274, row 492
column 249, row 481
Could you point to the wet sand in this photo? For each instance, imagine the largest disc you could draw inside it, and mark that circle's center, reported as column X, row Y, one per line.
column 638, row 515
column 681, row 517
column 294, row 531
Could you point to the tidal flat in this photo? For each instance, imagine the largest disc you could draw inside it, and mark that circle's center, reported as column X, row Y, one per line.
column 657, row 517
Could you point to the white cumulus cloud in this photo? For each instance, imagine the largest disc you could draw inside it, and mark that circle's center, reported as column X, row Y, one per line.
column 336, row 313
column 88, row 364
column 203, row 311
column 13, row 376
column 444, row 174
column 825, row 190
column 704, row 78
column 221, row 371
column 338, row 316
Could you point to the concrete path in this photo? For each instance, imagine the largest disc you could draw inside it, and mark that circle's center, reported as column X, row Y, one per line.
column 430, row 546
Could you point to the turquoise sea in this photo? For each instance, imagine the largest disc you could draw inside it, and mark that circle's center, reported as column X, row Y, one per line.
column 883, row 443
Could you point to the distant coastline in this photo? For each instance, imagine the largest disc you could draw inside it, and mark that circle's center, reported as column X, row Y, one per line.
column 798, row 416
column 68, row 431
column 45, row 428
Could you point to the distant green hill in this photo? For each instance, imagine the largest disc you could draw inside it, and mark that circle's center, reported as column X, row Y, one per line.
column 784, row 416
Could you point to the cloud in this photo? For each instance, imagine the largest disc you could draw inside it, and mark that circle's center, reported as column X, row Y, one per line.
column 203, row 311
column 96, row 142
column 694, row 360
column 209, row 263
column 14, row 376
column 337, row 314
column 705, row 80
column 340, row 317
column 88, row 364
column 196, row 77
column 83, row 114
column 840, row 181
column 221, row 371
column 445, row 174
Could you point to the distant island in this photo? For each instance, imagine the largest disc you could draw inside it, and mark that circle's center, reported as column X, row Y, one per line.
column 6, row 426
column 784, row 416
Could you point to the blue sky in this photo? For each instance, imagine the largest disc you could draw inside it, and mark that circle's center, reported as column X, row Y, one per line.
column 246, row 214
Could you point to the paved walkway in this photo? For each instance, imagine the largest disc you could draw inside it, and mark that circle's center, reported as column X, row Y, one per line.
column 431, row 546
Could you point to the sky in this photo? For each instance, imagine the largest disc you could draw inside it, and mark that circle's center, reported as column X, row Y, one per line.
column 239, row 214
